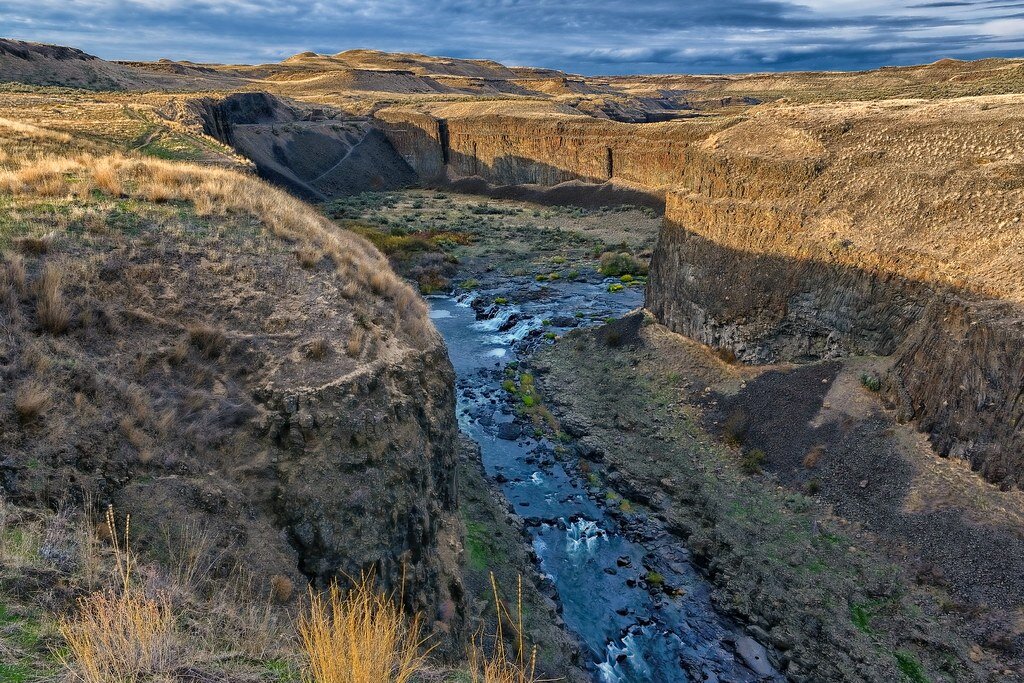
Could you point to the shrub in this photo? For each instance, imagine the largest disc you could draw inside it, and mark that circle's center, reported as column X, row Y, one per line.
column 208, row 339
column 35, row 245
column 31, row 401
column 319, row 348
column 615, row 287
column 502, row 666
column 51, row 311
column 120, row 635
column 735, row 426
column 726, row 355
column 309, row 257
column 359, row 637
column 813, row 456
column 617, row 264
column 500, row 300
column 752, row 461
column 871, row 382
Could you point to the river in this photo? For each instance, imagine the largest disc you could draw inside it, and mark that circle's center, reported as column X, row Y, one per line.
column 634, row 629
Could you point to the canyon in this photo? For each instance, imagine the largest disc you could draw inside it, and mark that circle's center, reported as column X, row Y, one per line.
column 859, row 228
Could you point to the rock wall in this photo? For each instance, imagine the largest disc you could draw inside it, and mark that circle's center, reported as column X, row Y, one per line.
column 865, row 250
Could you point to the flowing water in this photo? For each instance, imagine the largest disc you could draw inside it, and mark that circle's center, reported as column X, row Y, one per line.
column 633, row 632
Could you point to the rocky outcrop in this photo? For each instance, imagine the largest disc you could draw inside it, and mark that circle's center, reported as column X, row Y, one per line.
column 364, row 478
column 268, row 387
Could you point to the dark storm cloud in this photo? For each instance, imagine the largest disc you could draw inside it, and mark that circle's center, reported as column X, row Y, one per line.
column 589, row 36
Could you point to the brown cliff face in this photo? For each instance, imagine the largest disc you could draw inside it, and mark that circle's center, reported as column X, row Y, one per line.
column 912, row 252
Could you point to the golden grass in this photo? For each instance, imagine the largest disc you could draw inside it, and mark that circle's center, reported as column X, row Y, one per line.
column 361, row 268
column 31, row 401
column 502, row 666
column 34, row 132
column 122, row 635
column 360, row 637
column 52, row 312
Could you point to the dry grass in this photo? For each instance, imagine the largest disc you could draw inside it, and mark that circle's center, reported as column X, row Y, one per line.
column 34, row 132
column 122, row 635
column 360, row 637
column 319, row 348
column 502, row 666
column 31, row 401
column 211, row 341
column 14, row 273
column 309, row 257
column 52, row 312
column 813, row 456
column 36, row 245
column 366, row 274
column 356, row 342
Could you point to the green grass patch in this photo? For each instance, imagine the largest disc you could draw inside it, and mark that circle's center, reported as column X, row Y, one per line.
column 910, row 667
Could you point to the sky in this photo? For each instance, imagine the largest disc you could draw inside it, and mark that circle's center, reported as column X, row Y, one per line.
column 589, row 37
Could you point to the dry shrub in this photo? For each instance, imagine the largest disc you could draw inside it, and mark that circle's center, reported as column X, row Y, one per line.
column 156, row 192
column 735, row 427
column 35, row 359
column 14, row 273
column 120, row 635
column 502, row 666
column 165, row 421
column 105, row 177
column 309, row 257
column 179, row 352
column 813, row 457
column 140, row 403
column 281, row 588
column 319, row 348
column 210, row 340
column 380, row 281
column 360, row 637
column 51, row 311
column 36, row 245
column 136, row 437
column 31, row 401
column 356, row 341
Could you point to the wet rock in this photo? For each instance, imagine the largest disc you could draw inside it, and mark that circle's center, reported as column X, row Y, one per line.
column 509, row 431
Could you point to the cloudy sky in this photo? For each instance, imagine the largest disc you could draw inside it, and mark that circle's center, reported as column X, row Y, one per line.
column 583, row 36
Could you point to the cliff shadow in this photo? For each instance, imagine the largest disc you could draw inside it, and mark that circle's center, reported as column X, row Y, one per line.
column 956, row 368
